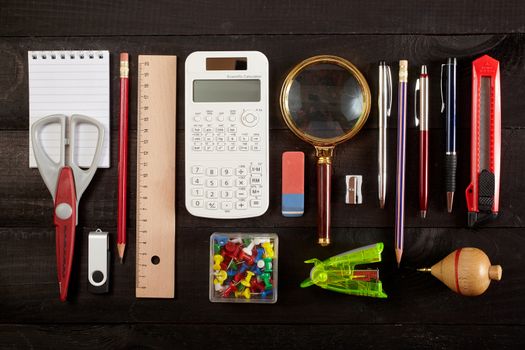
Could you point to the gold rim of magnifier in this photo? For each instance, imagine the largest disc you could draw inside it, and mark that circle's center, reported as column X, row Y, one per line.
column 285, row 90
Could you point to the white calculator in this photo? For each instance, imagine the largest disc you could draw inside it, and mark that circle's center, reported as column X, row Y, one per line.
column 226, row 134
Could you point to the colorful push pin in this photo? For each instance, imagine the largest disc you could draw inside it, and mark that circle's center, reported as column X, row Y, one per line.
column 268, row 249
column 216, row 248
column 266, row 293
column 266, row 279
column 256, row 286
column 221, row 240
column 238, row 277
column 246, row 281
column 466, row 271
column 228, row 291
column 243, row 268
column 218, row 286
column 221, row 276
column 256, row 269
column 260, row 252
column 245, row 293
column 232, row 250
column 248, row 249
column 268, row 264
column 217, row 261
column 242, row 256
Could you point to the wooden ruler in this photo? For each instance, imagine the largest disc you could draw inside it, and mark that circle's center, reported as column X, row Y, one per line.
column 155, row 259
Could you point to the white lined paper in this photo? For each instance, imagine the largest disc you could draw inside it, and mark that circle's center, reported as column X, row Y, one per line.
column 70, row 82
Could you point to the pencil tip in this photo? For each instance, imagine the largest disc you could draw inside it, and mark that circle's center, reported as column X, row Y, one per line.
column 121, row 247
column 399, row 253
column 423, row 214
column 450, row 201
column 382, row 203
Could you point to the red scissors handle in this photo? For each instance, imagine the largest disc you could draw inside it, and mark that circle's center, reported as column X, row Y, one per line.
column 65, row 219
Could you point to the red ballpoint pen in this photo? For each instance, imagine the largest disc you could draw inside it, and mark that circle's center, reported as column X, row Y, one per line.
column 422, row 121
column 123, row 156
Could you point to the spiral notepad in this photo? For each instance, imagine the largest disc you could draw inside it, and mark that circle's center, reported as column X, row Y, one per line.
column 70, row 82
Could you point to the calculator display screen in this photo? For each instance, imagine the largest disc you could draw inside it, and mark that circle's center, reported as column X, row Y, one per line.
column 227, row 90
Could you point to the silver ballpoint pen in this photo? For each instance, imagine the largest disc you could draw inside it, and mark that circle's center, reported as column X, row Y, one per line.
column 385, row 105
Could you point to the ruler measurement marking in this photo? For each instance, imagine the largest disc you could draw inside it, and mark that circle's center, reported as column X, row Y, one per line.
column 155, row 148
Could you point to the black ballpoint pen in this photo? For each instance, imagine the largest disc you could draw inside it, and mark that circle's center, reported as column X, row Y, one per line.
column 448, row 105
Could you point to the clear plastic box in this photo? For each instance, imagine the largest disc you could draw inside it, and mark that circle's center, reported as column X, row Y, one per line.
column 243, row 267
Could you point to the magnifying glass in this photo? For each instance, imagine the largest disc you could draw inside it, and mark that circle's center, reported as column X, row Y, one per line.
column 325, row 100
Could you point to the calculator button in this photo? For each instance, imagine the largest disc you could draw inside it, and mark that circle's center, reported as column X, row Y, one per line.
column 209, row 118
column 255, row 203
column 256, row 138
column 208, row 148
column 227, row 194
column 226, row 183
column 242, row 182
column 255, row 191
column 232, row 138
column 243, row 138
column 197, row 169
column 208, row 138
column 243, row 148
column 255, row 180
column 241, row 194
column 227, row 205
column 197, row 118
column 232, row 118
column 232, row 147
column 212, row 183
column 197, row 192
column 221, row 139
column 220, row 130
column 249, row 119
column 221, row 148
column 240, row 171
column 197, row 148
column 256, row 148
column 197, row 129
column 196, row 139
column 197, row 180
column 212, row 171
column 212, row 194
column 208, row 129
column 241, row 205
column 232, row 129
column 197, row 203
column 212, row 205
column 220, row 118
column 226, row 171
column 255, row 169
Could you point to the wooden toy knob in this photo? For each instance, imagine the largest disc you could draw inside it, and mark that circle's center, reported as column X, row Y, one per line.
column 467, row 271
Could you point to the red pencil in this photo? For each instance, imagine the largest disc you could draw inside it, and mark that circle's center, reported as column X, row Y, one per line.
column 123, row 156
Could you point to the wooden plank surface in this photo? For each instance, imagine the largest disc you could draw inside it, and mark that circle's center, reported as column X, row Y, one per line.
column 209, row 17
column 420, row 312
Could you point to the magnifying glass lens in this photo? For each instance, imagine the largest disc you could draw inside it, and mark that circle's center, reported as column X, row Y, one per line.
column 325, row 101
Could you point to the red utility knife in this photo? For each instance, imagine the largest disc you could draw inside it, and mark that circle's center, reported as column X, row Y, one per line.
column 485, row 152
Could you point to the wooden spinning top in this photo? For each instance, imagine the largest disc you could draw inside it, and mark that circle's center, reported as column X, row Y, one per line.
column 467, row 271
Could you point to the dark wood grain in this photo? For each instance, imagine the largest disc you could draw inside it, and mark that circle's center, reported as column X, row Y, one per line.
column 208, row 17
column 282, row 336
column 420, row 312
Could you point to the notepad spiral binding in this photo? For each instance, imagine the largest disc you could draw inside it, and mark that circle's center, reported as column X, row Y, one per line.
column 62, row 55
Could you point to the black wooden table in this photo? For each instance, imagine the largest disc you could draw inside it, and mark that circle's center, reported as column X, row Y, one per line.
column 419, row 313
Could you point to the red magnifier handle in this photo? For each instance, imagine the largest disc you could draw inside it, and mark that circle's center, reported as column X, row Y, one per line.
column 324, row 190
column 65, row 222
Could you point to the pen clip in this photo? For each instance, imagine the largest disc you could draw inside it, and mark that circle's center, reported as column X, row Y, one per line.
column 416, row 96
column 441, row 88
column 389, row 84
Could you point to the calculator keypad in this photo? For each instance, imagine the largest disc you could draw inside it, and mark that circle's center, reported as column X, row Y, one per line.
column 227, row 188
column 227, row 163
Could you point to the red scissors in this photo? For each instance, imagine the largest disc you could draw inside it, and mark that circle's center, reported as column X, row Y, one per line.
column 66, row 181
